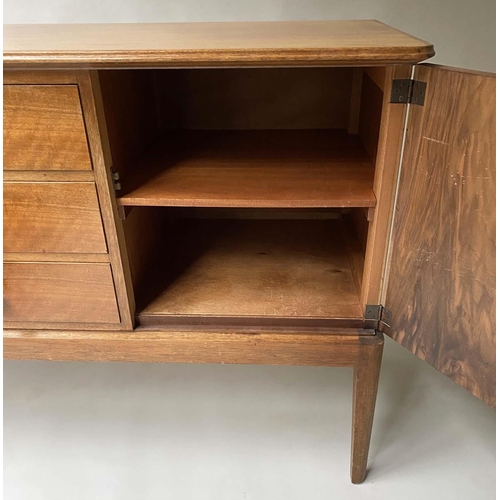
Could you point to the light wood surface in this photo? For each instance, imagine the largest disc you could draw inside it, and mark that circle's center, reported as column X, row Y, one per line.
column 366, row 376
column 441, row 287
column 260, row 346
column 305, row 168
column 55, row 257
column 53, row 292
column 43, row 128
column 48, row 176
column 52, row 217
column 276, row 269
column 377, row 74
column 39, row 77
column 210, row 44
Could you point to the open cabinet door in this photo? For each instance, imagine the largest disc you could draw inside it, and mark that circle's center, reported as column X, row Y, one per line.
column 440, row 278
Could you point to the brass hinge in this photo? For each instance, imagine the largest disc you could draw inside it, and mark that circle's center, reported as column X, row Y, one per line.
column 408, row 91
column 378, row 316
column 115, row 177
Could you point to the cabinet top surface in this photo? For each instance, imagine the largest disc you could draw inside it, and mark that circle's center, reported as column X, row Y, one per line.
column 292, row 43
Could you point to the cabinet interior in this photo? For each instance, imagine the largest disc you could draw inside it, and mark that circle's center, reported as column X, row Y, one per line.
column 247, row 194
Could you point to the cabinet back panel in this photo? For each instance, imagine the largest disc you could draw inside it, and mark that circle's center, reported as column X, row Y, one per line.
column 315, row 98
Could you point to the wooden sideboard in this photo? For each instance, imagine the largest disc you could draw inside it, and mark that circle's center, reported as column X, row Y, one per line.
column 264, row 193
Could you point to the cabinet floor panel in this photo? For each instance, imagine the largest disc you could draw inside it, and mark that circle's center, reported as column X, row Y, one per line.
column 250, row 168
column 252, row 269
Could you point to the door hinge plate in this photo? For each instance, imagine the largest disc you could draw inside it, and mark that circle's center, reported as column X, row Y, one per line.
column 385, row 316
column 373, row 312
column 408, row 91
column 379, row 315
column 115, row 177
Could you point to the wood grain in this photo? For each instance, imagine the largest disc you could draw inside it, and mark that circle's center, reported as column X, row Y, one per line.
column 359, row 221
column 129, row 103
column 366, row 377
column 48, row 176
column 95, row 121
column 275, row 269
column 370, row 113
column 253, row 98
column 55, row 257
column 357, row 81
column 389, row 149
column 145, row 234
column 52, row 292
column 280, row 169
column 354, row 249
column 38, row 77
column 377, row 75
column 271, row 347
column 52, row 217
column 43, row 128
column 441, row 287
column 210, row 44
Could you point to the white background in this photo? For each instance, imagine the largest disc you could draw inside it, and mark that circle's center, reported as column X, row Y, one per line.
column 148, row 431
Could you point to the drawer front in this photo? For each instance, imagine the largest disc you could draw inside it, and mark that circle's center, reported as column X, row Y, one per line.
column 44, row 128
column 52, row 217
column 59, row 293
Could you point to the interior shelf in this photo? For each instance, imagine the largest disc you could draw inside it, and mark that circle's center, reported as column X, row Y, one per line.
column 256, row 168
column 253, row 268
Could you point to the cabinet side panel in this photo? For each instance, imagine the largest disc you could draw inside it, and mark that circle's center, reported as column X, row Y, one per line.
column 372, row 100
column 129, row 99
column 129, row 106
column 441, row 285
column 88, row 83
column 386, row 169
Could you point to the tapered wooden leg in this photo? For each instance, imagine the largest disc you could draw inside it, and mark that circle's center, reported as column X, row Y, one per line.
column 366, row 375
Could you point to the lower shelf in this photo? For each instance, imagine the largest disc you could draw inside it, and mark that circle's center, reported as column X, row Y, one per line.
column 253, row 270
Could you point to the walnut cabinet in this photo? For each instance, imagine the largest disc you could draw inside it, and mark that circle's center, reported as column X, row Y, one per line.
column 265, row 193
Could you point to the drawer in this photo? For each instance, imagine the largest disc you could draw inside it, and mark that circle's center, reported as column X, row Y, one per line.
column 59, row 293
column 52, row 217
column 43, row 128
